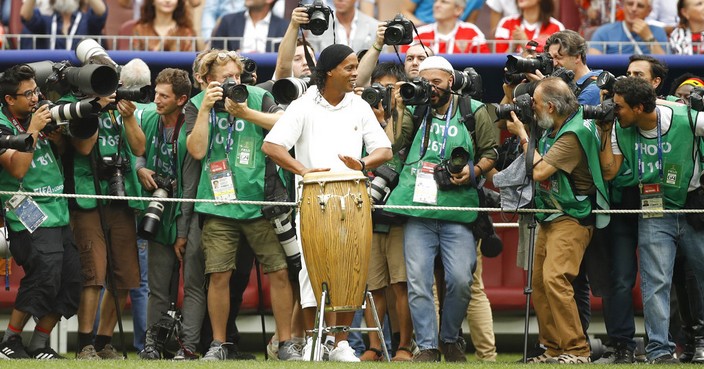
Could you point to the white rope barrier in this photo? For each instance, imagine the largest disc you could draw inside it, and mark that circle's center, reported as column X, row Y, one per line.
column 294, row 204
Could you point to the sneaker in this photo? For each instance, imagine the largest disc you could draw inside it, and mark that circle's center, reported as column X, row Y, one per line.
column 698, row 357
column 453, row 352
column 415, row 350
column 233, row 353
column 46, row 353
column 327, row 348
column 569, row 359
column 665, row 359
column 289, row 351
column 272, row 349
column 87, row 353
column 109, row 353
column 149, row 353
column 343, row 353
column 13, row 349
column 540, row 359
column 185, row 354
column 623, row 355
column 217, row 351
column 429, row 355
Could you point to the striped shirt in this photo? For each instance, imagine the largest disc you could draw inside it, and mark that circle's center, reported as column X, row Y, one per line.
column 465, row 38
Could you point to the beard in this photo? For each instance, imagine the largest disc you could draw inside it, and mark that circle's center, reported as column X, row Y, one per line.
column 443, row 97
column 66, row 6
column 544, row 121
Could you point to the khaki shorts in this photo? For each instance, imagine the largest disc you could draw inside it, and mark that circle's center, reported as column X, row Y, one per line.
column 221, row 239
column 387, row 264
column 91, row 245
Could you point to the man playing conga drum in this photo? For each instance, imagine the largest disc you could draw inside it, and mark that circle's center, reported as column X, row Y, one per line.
column 328, row 126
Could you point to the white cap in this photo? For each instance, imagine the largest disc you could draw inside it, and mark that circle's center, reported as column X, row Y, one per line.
column 436, row 62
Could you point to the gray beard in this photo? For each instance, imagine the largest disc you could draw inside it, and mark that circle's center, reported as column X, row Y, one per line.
column 544, row 121
column 66, row 6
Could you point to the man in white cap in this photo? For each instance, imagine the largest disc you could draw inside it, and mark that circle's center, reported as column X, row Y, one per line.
column 424, row 181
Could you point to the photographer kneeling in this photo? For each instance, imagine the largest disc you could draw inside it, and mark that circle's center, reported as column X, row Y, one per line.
column 573, row 184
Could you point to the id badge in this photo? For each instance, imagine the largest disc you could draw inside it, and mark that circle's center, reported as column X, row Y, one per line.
column 27, row 211
column 245, row 152
column 426, row 190
column 651, row 199
column 221, row 181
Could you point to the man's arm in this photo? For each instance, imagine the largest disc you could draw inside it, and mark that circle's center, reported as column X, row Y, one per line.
column 287, row 48
column 487, row 135
column 408, row 8
column 84, row 146
column 197, row 141
column 370, row 58
column 134, row 134
column 283, row 158
column 17, row 163
column 610, row 162
column 27, row 10
column 266, row 118
column 98, row 6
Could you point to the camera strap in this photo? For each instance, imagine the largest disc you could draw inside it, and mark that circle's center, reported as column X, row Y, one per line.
column 71, row 33
column 306, row 52
column 174, row 136
column 16, row 123
column 214, row 125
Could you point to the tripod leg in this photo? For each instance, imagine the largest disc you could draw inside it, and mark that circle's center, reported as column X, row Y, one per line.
column 379, row 328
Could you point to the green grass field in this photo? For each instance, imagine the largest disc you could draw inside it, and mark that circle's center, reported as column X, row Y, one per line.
column 507, row 361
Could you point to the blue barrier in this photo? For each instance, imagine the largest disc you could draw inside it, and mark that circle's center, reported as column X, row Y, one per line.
column 489, row 66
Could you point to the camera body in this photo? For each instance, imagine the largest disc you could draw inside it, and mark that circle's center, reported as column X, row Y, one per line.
column 605, row 81
column 237, row 92
column 149, row 225
column 468, row 82
column 399, row 31
column 517, row 66
column 377, row 93
column 250, row 67
column 459, row 157
column 416, row 92
column 603, row 112
column 523, row 109
column 696, row 99
column 113, row 168
column 319, row 17
column 385, row 180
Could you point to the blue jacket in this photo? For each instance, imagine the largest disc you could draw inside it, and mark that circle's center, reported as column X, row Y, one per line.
column 90, row 24
column 232, row 25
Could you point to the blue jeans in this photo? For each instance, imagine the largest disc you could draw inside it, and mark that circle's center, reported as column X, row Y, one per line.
column 423, row 240
column 618, row 300
column 658, row 239
column 139, row 296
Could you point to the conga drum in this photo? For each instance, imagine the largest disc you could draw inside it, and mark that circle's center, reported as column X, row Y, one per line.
column 336, row 236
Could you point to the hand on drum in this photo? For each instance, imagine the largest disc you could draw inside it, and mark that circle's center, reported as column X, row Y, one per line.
column 310, row 170
column 350, row 162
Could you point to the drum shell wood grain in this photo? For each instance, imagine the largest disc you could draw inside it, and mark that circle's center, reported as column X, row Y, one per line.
column 336, row 239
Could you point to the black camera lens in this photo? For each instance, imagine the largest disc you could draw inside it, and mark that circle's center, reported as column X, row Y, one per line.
column 235, row 91
column 416, row 92
column 116, row 184
column 288, row 89
column 458, row 159
column 21, row 142
column 394, row 34
column 135, row 93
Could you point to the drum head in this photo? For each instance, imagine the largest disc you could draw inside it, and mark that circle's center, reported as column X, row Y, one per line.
column 315, row 177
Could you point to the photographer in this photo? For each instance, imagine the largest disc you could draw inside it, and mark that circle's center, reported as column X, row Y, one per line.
column 351, row 27
column 106, row 167
column 441, row 137
column 569, row 50
column 158, row 177
column 573, row 184
column 667, row 172
column 227, row 136
column 46, row 251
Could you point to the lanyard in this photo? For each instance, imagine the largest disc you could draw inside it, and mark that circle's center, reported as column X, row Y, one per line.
column 174, row 136
column 448, row 115
column 19, row 127
column 636, row 47
column 214, row 124
column 71, row 33
column 641, row 165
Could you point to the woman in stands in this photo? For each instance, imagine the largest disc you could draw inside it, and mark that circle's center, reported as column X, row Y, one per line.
column 534, row 22
column 687, row 38
column 168, row 23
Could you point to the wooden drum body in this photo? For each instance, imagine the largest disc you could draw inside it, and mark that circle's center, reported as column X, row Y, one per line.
column 336, row 236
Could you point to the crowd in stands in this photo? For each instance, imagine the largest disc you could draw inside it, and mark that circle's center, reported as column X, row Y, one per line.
column 447, row 26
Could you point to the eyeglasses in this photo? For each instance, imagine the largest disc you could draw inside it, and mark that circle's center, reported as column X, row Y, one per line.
column 230, row 54
column 28, row 94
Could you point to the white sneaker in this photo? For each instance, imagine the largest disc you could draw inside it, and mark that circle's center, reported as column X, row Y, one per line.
column 307, row 349
column 343, row 353
column 272, row 349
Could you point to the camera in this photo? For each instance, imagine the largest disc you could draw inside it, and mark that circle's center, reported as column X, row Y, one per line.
column 237, row 92
column 606, row 81
column 62, row 78
column 149, row 225
column 89, row 51
column 696, row 99
column 250, row 67
column 523, row 109
column 377, row 93
column 280, row 218
column 21, row 142
column 541, row 62
column 459, row 157
column 562, row 73
column 603, row 112
column 135, row 93
column 112, row 168
column 385, row 180
column 468, row 82
column 399, row 31
column 80, row 115
column 288, row 89
column 514, row 78
column 416, row 92
column 318, row 15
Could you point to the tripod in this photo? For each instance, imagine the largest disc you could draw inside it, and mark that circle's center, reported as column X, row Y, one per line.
column 528, row 289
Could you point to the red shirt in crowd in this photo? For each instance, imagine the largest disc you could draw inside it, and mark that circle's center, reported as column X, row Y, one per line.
column 464, row 39
column 538, row 32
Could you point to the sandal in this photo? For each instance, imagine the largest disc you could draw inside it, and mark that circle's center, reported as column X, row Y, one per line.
column 371, row 354
column 398, row 357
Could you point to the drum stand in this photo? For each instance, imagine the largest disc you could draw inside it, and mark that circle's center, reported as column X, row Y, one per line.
column 320, row 329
